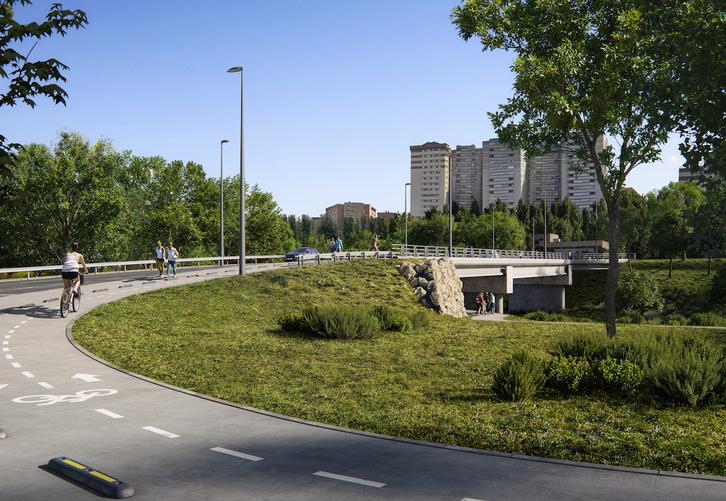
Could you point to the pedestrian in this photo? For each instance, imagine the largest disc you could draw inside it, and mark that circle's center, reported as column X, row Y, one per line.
column 488, row 301
column 171, row 255
column 493, row 303
column 332, row 245
column 160, row 251
column 69, row 272
column 338, row 245
column 374, row 245
column 480, row 303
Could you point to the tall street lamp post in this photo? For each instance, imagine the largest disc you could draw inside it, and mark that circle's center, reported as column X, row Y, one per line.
column 237, row 69
column 405, row 216
column 451, row 203
column 221, row 202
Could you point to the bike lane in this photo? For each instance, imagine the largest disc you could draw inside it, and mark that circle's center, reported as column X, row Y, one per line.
column 172, row 444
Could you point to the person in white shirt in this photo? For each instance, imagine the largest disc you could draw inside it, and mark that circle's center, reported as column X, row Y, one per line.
column 171, row 255
column 70, row 267
column 160, row 257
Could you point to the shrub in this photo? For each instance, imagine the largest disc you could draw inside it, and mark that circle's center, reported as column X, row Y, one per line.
column 618, row 377
column 419, row 320
column 569, row 374
column 708, row 319
column 391, row 320
column 638, row 292
column 686, row 368
column 717, row 292
column 332, row 322
column 581, row 346
column 519, row 378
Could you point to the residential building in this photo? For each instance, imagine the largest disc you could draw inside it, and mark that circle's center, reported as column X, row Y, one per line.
column 503, row 174
column 355, row 210
column 685, row 174
column 387, row 215
column 466, row 163
column 430, row 164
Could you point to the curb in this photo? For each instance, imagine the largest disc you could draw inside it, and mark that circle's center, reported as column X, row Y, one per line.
column 93, row 479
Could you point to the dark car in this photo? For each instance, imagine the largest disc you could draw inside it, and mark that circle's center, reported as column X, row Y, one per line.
column 301, row 251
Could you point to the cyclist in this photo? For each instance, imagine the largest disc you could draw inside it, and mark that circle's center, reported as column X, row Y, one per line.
column 71, row 267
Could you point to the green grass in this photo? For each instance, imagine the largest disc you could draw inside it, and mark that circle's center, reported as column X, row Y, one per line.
column 221, row 338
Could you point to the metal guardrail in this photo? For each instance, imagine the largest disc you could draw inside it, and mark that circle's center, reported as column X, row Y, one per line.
column 124, row 265
column 438, row 251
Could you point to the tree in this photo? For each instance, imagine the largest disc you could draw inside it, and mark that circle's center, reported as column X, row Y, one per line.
column 72, row 195
column 709, row 221
column 580, row 71
column 686, row 38
column 29, row 79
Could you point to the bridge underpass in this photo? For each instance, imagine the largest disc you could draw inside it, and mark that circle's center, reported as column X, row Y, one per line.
column 531, row 284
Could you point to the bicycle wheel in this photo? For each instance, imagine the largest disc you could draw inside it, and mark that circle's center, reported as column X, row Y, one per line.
column 76, row 301
column 64, row 303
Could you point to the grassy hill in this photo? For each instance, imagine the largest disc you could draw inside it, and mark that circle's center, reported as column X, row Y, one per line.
column 222, row 338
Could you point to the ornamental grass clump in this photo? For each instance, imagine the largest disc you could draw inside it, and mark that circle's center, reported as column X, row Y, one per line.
column 332, row 322
column 520, row 378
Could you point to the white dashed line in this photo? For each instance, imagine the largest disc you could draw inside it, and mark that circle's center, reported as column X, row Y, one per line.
column 7, row 337
column 471, row 499
column 160, row 432
column 353, row 480
column 109, row 413
column 16, row 327
column 27, row 374
column 46, row 386
column 9, row 357
column 6, row 349
column 17, row 365
column 10, row 332
column 236, row 454
column 6, row 342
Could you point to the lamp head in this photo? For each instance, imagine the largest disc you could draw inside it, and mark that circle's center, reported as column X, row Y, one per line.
column 235, row 69
column 224, row 141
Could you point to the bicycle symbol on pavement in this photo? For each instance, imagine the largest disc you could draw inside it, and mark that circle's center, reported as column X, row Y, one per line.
column 80, row 396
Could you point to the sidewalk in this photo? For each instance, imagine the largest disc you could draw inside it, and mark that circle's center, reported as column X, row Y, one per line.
column 489, row 317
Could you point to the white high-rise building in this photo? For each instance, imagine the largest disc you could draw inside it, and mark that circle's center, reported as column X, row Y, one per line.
column 430, row 163
column 504, row 172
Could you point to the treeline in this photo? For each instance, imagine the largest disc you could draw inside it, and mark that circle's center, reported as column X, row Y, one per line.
column 680, row 219
column 117, row 206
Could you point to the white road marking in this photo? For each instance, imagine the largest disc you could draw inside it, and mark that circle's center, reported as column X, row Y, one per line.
column 9, row 357
column 23, row 322
column 10, row 332
column 236, row 454
column 353, row 480
column 7, row 337
column 6, row 342
column 471, row 499
column 17, row 365
column 160, row 432
column 2, row 386
column 6, row 349
column 27, row 374
column 46, row 386
column 109, row 413
column 88, row 378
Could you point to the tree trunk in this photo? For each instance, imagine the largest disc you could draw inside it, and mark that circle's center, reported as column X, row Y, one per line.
column 613, row 266
column 670, row 265
column 708, row 254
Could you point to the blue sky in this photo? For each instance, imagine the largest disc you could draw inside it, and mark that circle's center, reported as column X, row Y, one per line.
column 334, row 92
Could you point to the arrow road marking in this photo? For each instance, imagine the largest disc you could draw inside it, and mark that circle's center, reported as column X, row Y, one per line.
column 88, row 378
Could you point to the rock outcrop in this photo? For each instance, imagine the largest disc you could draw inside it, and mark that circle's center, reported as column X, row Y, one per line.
column 436, row 283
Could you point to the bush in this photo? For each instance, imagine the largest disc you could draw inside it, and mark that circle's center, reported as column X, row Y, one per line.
column 332, row 322
column 519, row 378
column 686, row 368
column 638, row 292
column 588, row 347
column 708, row 319
column 618, row 377
column 419, row 320
column 569, row 374
column 717, row 292
column 391, row 320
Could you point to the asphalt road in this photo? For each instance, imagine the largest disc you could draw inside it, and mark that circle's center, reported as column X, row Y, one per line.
column 169, row 444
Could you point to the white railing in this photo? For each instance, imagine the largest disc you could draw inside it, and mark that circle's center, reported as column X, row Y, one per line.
column 438, row 251
column 124, row 265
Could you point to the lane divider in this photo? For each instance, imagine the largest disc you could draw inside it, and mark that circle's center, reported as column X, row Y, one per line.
column 346, row 478
column 93, row 479
column 158, row 431
column 241, row 455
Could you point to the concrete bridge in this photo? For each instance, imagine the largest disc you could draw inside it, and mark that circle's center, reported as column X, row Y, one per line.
column 533, row 280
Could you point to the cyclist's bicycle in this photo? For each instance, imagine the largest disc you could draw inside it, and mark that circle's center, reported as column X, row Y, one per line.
column 70, row 299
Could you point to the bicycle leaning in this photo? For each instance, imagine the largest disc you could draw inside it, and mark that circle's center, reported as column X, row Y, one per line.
column 71, row 299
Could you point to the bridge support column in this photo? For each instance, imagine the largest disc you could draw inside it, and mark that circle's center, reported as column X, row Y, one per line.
column 499, row 302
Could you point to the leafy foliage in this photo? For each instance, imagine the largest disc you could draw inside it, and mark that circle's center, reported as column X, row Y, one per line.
column 638, row 292
column 520, row 378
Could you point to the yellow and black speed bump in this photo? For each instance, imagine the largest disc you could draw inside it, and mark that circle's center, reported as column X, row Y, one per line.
column 91, row 478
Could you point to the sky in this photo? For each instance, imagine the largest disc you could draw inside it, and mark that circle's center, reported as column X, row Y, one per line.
column 335, row 92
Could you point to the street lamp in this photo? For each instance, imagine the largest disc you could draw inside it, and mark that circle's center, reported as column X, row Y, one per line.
column 221, row 202
column 451, row 203
column 405, row 216
column 545, row 228
column 236, row 69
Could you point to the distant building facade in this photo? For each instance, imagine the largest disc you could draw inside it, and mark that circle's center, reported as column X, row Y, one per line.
column 430, row 171
column 387, row 215
column 353, row 210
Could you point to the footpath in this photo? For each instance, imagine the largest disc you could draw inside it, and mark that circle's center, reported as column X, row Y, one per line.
column 58, row 404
